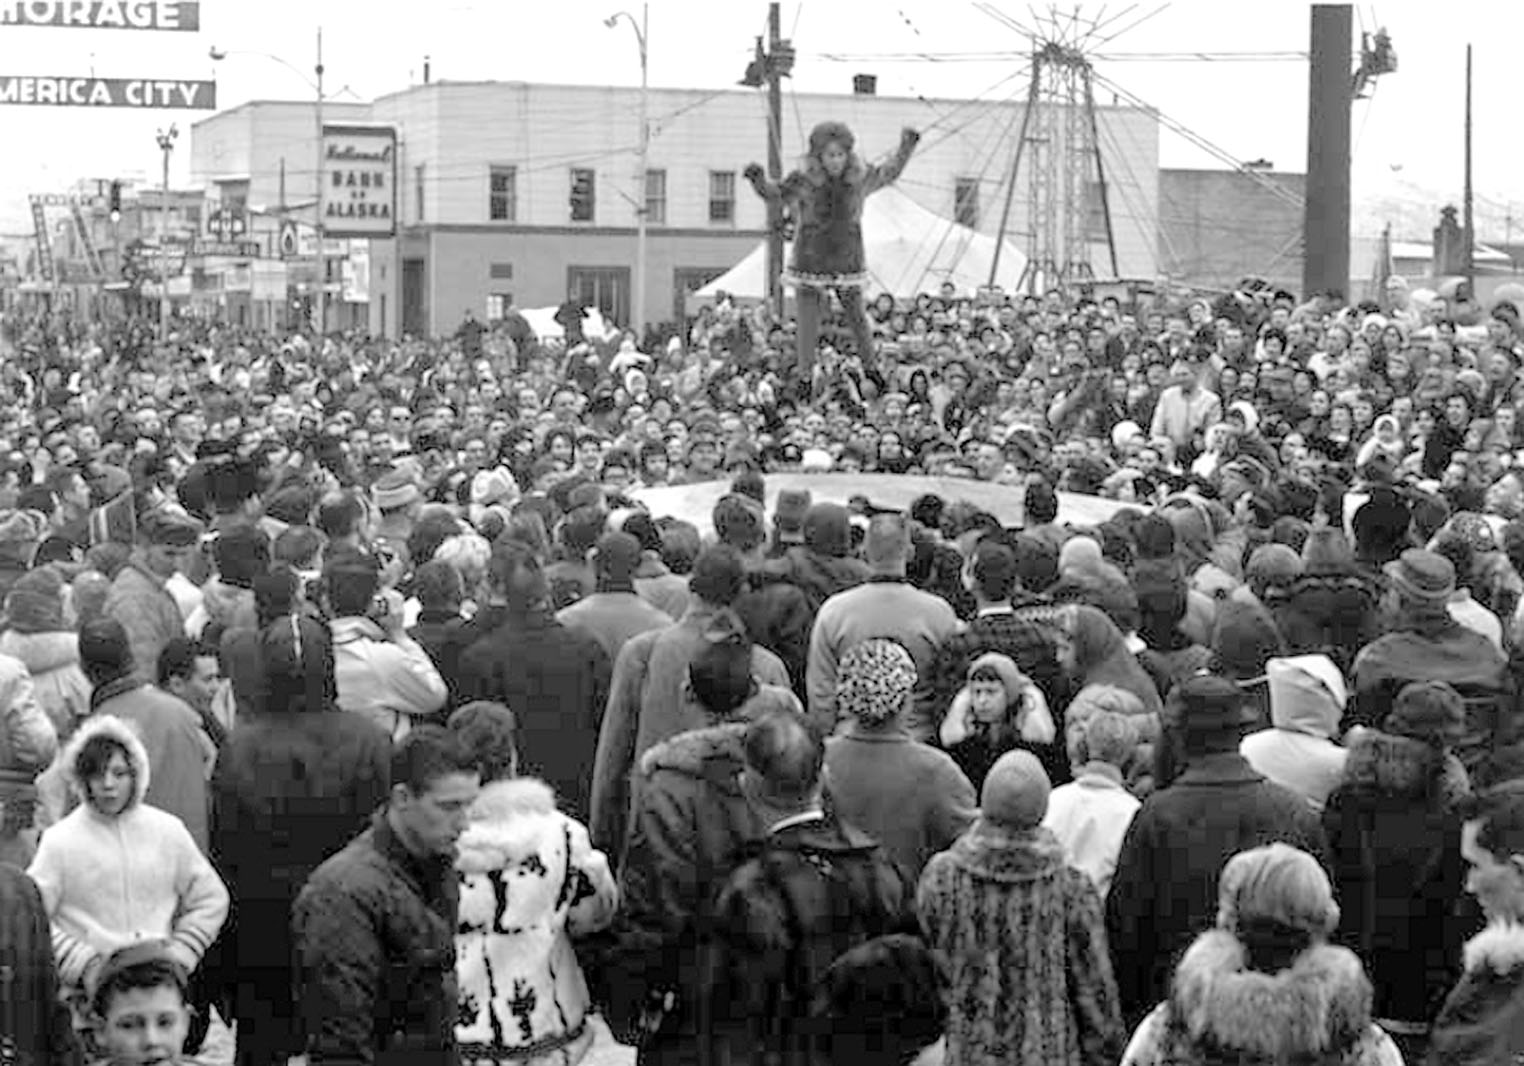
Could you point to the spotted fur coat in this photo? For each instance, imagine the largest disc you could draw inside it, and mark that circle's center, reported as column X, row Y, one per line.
column 529, row 882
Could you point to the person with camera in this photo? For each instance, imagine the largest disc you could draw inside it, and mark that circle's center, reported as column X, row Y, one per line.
column 382, row 672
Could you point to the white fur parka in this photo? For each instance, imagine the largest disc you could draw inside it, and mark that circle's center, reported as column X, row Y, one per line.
column 530, row 880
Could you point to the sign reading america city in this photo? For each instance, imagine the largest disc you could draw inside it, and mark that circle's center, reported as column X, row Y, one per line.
column 108, row 92
column 359, row 181
column 182, row 15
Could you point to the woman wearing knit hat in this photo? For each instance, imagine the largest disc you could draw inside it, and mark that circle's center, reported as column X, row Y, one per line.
column 1394, row 833
column 910, row 797
column 1005, row 910
column 1266, row 985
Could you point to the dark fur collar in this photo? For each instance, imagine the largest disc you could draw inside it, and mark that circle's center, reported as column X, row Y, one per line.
column 1383, row 762
column 1321, row 1004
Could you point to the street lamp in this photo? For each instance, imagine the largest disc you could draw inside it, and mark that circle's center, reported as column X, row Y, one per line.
column 320, row 315
column 638, row 312
column 166, row 140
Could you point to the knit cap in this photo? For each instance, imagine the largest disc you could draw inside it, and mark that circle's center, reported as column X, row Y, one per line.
column 1245, row 638
column 35, row 603
column 828, row 530
column 875, row 680
column 1015, row 792
column 1430, row 711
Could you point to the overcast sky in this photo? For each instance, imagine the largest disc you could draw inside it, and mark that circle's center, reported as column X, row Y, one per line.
column 1407, row 139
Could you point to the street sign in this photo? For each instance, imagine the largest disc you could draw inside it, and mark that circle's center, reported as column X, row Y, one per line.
column 66, row 91
column 181, row 15
column 237, row 249
column 227, row 223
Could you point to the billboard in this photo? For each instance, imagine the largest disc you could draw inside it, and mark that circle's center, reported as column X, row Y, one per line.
column 359, row 181
column 182, row 15
column 64, row 91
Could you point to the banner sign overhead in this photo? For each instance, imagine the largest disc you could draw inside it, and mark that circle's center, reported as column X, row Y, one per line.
column 181, row 15
column 359, row 181
column 109, row 92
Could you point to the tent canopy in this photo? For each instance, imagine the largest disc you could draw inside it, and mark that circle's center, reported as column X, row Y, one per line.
column 909, row 250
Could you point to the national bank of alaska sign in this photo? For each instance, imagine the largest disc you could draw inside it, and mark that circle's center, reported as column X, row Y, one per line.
column 360, row 181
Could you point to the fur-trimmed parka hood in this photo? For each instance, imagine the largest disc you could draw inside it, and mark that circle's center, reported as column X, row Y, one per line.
column 107, row 725
column 1498, row 948
column 507, row 825
column 995, row 852
column 41, row 652
column 713, row 754
column 1398, row 765
column 1318, row 1007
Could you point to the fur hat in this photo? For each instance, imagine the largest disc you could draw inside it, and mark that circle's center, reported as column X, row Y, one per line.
column 875, row 680
column 1244, row 639
column 828, row 530
column 35, row 603
column 1422, row 577
column 1015, row 792
column 394, row 490
column 1430, row 711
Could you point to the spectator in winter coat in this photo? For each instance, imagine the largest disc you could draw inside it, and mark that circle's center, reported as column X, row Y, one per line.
column 296, row 780
column 556, row 679
column 651, row 698
column 40, row 633
column 1482, row 1020
column 1394, row 834
column 441, row 628
column 38, row 1030
column 1000, row 710
column 1425, row 643
column 530, row 881
column 881, row 1004
column 117, row 870
column 816, row 887
column 1003, row 909
column 140, row 599
column 382, row 673
column 375, row 924
column 1265, row 985
column 1090, row 814
column 908, row 796
column 241, row 553
column 28, row 743
column 821, row 564
column 886, row 606
column 690, row 823
column 1306, row 703
column 1166, row 879
column 777, row 613
column 614, row 613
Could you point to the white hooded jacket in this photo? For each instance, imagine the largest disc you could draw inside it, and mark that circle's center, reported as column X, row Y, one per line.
column 1307, row 700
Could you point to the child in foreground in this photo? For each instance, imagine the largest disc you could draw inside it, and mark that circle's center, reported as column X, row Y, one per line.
column 140, row 1008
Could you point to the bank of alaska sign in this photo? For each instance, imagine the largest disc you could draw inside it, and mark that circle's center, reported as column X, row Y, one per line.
column 359, row 181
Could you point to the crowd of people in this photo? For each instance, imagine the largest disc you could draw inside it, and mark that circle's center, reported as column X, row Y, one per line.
column 351, row 693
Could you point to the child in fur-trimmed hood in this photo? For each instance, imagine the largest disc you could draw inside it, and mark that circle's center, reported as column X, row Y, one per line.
column 998, row 710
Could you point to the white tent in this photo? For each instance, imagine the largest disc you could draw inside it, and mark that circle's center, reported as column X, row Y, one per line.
column 909, row 250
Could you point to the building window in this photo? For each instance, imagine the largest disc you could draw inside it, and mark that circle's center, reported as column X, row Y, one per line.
column 498, row 304
column 418, row 191
column 584, row 192
column 656, row 197
column 966, row 202
column 722, row 196
column 500, row 271
column 606, row 288
column 502, row 194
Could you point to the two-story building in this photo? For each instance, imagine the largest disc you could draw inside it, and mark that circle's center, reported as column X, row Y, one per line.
column 527, row 194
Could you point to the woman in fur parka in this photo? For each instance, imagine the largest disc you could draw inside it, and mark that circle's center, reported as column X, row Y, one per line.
column 530, row 880
column 1265, row 987
column 827, row 195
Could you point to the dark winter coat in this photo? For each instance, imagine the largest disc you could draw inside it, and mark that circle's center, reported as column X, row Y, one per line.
column 1316, row 1012
column 1394, row 838
column 1022, row 936
column 778, row 615
column 691, row 827
column 30, row 1014
column 1482, row 1021
column 1442, row 650
column 445, row 636
column 556, row 681
column 375, row 955
column 289, row 791
column 818, row 575
column 1331, row 614
column 1165, row 888
column 811, row 892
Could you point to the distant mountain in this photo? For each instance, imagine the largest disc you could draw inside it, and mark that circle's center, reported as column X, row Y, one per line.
column 1413, row 211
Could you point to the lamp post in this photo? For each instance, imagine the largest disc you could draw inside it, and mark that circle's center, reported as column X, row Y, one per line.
column 166, row 140
column 320, row 307
column 638, row 310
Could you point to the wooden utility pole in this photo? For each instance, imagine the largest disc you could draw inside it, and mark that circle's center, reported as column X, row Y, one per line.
column 774, row 158
column 1468, row 228
column 1325, row 231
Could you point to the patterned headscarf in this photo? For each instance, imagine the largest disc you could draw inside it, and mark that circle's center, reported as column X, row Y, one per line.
column 875, row 680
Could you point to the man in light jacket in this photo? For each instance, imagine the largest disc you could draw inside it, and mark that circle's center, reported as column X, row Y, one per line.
column 382, row 672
